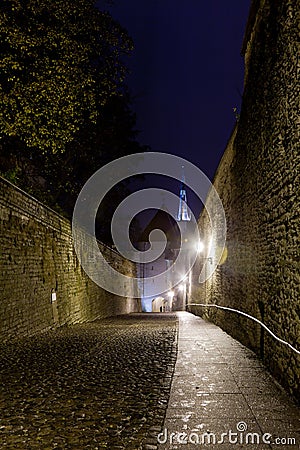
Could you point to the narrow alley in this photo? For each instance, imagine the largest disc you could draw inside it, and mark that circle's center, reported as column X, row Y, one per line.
column 149, row 225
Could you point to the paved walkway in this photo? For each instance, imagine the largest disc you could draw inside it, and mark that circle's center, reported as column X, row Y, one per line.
column 219, row 386
column 107, row 385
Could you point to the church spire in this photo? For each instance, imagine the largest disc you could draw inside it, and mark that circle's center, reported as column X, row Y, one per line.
column 183, row 213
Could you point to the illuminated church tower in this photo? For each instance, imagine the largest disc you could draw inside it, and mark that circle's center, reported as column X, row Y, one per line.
column 183, row 212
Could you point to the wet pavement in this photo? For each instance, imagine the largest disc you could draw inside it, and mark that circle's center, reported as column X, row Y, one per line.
column 113, row 384
column 222, row 397
column 93, row 386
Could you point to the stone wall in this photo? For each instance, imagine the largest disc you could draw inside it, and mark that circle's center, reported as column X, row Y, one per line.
column 37, row 260
column 258, row 181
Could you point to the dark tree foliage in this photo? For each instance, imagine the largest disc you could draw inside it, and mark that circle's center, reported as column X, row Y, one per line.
column 65, row 110
column 60, row 61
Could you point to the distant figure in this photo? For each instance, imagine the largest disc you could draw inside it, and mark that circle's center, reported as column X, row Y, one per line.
column 160, row 308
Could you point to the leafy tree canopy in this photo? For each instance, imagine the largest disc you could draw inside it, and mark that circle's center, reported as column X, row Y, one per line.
column 60, row 62
column 65, row 109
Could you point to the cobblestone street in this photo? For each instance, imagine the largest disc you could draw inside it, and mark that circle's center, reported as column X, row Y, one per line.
column 120, row 383
column 99, row 385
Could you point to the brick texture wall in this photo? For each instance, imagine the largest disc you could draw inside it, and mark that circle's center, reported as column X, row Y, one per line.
column 37, row 258
column 258, row 181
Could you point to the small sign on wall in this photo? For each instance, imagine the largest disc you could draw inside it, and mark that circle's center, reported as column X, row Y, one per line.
column 54, row 307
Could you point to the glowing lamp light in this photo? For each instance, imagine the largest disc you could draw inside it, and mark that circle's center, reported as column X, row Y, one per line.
column 181, row 287
column 171, row 294
column 200, row 247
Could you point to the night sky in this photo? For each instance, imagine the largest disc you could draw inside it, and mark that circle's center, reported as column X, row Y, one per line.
column 186, row 73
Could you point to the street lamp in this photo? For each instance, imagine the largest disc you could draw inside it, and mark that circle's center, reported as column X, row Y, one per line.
column 200, row 247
